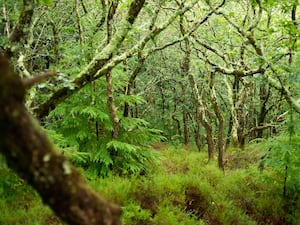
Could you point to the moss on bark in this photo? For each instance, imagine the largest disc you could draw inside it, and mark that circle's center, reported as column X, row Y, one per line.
column 31, row 154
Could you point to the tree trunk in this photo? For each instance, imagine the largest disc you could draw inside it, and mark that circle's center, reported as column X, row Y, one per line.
column 131, row 82
column 201, row 111
column 264, row 95
column 228, row 137
column 185, row 126
column 6, row 30
column 111, row 106
column 209, row 139
column 30, row 153
column 185, row 73
column 109, row 78
column 237, row 99
column 21, row 30
column 201, row 107
column 221, row 141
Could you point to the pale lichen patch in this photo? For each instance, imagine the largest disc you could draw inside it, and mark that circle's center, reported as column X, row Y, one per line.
column 67, row 168
column 47, row 157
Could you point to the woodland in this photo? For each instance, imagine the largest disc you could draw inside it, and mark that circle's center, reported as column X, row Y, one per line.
column 154, row 112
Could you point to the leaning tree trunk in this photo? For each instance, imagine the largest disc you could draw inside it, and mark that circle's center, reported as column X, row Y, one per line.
column 30, row 153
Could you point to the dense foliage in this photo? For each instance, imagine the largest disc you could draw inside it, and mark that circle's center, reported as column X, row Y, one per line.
column 222, row 76
column 182, row 189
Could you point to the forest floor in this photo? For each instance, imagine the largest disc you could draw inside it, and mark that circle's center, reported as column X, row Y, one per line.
column 182, row 189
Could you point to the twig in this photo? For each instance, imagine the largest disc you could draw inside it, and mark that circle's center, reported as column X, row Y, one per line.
column 30, row 81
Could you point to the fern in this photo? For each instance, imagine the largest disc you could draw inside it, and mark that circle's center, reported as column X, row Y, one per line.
column 284, row 157
column 131, row 100
column 85, row 129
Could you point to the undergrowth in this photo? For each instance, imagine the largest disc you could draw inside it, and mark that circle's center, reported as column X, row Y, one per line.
column 183, row 189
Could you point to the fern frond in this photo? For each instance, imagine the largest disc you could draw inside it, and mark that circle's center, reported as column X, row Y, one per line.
column 133, row 123
column 131, row 100
column 121, row 146
column 94, row 113
column 103, row 156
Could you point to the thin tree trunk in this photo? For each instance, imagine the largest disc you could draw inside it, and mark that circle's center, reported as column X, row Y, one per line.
column 185, row 73
column 201, row 111
column 237, row 99
column 264, row 95
column 221, row 126
column 293, row 39
column 6, row 22
column 131, row 82
column 178, row 125
column 242, row 115
column 196, row 129
column 228, row 137
column 185, row 127
column 209, row 139
column 79, row 26
column 201, row 107
column 111, row 106
column 109, row 78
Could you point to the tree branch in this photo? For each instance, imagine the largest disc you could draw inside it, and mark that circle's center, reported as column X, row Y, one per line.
column 30, row 81
column 31, row 154
column 21, row 30
column 105, row 60
column 87, row 74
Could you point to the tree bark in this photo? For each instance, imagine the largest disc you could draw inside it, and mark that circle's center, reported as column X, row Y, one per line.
column 6, row 30
column 201, row 111
column 109, row 75
column 31, row 154
column 264, row 95
column 20, row 32
column 111, row 105
column 221, row 126
column 185, row 72
column 131, row 82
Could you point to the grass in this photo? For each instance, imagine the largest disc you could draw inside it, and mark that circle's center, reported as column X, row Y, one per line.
column 183, row 189
column 20, row 204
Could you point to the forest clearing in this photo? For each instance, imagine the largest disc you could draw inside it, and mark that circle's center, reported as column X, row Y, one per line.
column 150, row 112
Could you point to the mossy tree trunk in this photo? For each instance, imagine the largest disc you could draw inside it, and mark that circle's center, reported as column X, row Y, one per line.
column 30, row 153
column 201, row 106
column 221, row 123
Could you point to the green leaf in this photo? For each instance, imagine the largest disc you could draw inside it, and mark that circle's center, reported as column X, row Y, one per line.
column 46, row 2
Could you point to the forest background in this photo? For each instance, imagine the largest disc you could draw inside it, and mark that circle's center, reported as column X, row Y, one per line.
column 135, row 81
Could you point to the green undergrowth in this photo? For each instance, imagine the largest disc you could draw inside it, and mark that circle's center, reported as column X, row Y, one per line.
column 183, row 189
column 20, row 204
